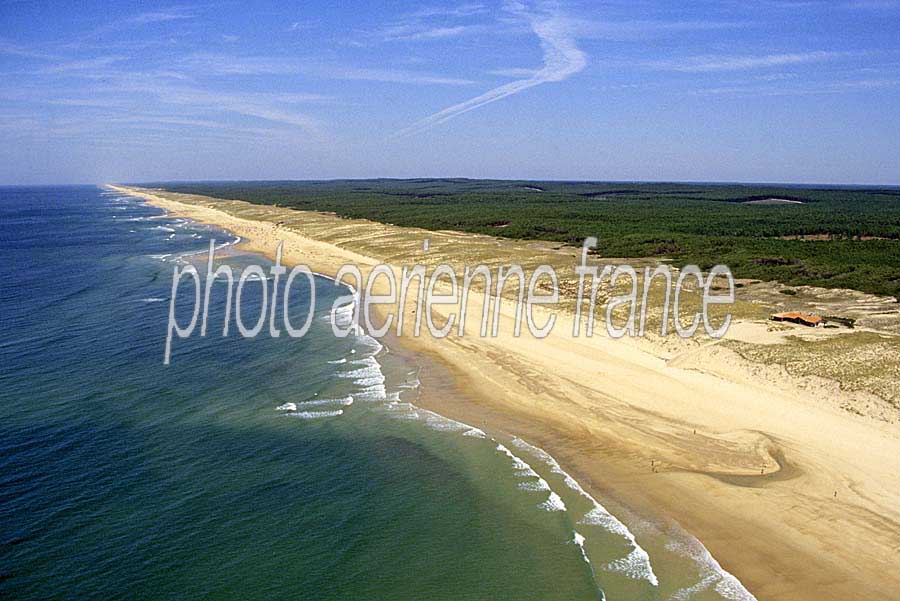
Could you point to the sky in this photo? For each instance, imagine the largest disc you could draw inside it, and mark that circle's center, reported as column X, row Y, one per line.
column 787, row 91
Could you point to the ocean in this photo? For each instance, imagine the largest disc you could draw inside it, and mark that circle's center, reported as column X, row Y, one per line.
column 264, row 468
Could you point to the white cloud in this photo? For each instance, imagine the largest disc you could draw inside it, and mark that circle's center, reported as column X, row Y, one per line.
column 389, row 76
column 562, row 59
column 703, row 64
column 89, row 103
column 134, row 93
column 434, row 33
column 867, row 84
column 862, row 5
column 259, row 106
column 463, row 10
column 206, row 63
column 82, row 66
column 635, row 30
column 137, row 21
column 221, row 64
column 16, row 50
column 517, row 72
column 159, row 17
column 873, row 5
column 434, row 23
column 792, row 88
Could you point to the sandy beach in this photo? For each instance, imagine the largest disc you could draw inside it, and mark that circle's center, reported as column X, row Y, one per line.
column 793, row 494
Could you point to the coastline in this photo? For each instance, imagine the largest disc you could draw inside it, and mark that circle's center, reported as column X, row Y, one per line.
column 605, row 409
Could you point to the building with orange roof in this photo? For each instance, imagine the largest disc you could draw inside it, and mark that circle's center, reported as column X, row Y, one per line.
column 800, row 318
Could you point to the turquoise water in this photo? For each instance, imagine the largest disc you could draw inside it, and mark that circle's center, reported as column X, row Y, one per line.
column 261, row 468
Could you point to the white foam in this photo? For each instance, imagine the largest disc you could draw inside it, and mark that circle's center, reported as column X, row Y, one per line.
column 316, row 414
column 205, row 249
column 153, row 300
column 535, row 485
column 578, row 540
column 398, row 406
column 343, row 315
column 376, row 392
column 634, row 565
column 368, row 361
column 372, row 381
column 368, row 375
column 345, row 401
column 522, row 468
column 552, row 464
column 553, row 503
column 637, row 563
column 409, row 415
column 345, row 310
column 361, row 372
column 436, row 421
column 372, row 346
column 711, row 573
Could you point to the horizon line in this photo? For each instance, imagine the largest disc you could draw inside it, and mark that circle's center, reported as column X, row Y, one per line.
column 464, row 178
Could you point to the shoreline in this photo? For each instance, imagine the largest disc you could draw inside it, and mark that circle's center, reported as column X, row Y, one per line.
column 781, row 533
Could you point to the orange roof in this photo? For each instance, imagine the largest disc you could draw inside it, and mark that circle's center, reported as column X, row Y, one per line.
column 800, row 316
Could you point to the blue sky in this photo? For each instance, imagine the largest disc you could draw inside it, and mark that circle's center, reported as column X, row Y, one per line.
column 777, row 91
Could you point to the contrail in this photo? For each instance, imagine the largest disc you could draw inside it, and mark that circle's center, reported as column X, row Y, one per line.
column 562, row 59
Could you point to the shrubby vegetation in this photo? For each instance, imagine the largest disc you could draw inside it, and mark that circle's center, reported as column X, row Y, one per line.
column 833, row 237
